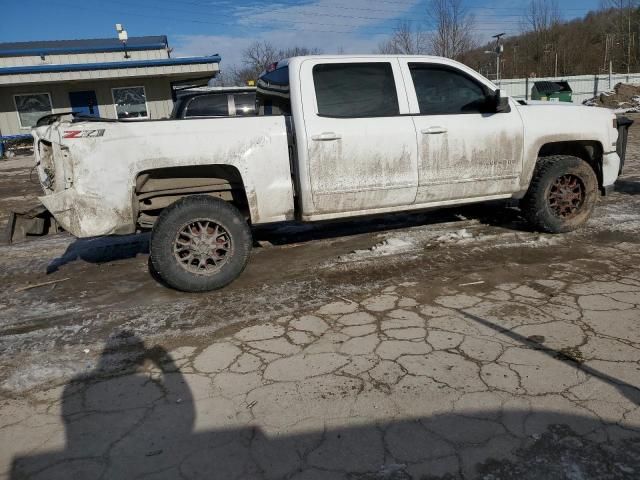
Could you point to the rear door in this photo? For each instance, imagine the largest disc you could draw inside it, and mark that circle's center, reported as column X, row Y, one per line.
column 361, row 148
column 466, row 150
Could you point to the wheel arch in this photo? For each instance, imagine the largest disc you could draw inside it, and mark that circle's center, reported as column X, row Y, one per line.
column 156, row 189
column 590, row 151
column 536, row 205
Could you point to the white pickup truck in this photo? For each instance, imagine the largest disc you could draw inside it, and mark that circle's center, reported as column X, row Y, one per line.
column 333, row 137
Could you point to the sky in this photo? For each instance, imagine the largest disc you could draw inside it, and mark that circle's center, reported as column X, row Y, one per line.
column 206, row 27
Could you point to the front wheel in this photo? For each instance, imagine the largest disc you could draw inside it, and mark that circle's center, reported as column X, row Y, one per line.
column 562, row 194
column 199, row 244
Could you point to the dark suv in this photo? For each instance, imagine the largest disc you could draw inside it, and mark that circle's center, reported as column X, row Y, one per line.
column 226, row 102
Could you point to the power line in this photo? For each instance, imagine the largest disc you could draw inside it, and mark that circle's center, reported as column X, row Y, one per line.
column 247, row 24
column 283, row 24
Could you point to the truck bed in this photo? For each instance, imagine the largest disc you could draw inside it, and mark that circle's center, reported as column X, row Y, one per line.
column 89, row 169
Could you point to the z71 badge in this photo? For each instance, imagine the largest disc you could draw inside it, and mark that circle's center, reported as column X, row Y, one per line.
column 83, row 133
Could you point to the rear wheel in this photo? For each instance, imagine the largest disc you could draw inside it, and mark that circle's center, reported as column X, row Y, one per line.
column 199, row 244
column 562, row 194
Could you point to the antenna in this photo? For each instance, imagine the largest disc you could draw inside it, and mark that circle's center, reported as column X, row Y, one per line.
column 499, row 51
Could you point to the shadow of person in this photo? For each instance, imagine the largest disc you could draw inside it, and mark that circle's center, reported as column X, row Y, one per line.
column 132, row 407
column 133, row 417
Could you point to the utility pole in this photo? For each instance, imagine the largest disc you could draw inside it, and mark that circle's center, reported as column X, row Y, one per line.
column 499, row 51
column 629, row 42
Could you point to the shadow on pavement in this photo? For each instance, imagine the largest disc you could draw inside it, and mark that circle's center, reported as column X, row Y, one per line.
column 102, row 250
column 113, row 248
column 630, row 392
column 628, row 186
column 496, row 213
column 122, row 423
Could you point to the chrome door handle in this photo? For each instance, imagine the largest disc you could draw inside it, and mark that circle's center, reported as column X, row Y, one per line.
column 434, row 130
column 326, row 136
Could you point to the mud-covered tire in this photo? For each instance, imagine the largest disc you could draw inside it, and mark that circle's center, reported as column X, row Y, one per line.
column 222, row 250
column 570, row 179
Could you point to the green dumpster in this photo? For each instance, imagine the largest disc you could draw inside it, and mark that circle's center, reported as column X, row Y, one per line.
column 552, row 91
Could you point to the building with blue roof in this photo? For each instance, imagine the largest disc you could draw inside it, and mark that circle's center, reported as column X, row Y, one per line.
column 107, row 78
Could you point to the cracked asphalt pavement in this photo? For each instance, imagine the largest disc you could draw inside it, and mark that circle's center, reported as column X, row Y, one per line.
column 447, row 345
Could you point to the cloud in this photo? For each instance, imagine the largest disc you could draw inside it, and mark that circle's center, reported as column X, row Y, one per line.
column 230, row 47
column 324, row 14
column 332, row 27
column 357, row 26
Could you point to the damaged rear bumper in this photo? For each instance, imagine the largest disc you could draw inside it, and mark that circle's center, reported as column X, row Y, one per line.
column 33, row 221
column 86, row 216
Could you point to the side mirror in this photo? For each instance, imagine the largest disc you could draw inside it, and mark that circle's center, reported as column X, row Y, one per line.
column 501, row 104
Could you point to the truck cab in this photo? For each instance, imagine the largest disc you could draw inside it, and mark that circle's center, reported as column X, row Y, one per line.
column 382, row 133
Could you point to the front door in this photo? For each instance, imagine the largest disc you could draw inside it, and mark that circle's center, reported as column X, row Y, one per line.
column 84, row 103
column 466, row 150
column 361, row 150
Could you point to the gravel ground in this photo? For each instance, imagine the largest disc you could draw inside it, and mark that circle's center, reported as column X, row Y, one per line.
column 450, row 344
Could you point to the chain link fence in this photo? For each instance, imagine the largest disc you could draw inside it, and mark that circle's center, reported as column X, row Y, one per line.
column 584, row 86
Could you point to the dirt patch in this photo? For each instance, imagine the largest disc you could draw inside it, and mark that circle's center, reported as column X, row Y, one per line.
column 624, row 97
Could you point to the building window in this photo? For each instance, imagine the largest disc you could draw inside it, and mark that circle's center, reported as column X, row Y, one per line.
column 32, row 107
column 130, row 102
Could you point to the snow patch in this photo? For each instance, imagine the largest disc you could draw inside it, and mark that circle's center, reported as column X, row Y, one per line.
column 456, row 237
column 390, row 246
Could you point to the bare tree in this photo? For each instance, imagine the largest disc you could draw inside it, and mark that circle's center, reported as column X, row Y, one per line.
column 405, row 41
column 541, row 19
column 619, row 4
column 542, row 15
column 297, row 52
column 623, row 32
column 454, row 25
column 257, row 57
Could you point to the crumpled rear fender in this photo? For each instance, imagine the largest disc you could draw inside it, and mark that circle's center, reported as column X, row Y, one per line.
column 87, row 216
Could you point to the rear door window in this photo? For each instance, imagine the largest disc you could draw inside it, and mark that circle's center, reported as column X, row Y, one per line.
column 208, row 106
column 352, row 90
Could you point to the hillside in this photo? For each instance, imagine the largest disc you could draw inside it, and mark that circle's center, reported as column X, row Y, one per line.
column 582, row 46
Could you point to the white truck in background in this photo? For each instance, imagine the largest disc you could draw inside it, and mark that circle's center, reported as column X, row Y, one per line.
column 333, row 137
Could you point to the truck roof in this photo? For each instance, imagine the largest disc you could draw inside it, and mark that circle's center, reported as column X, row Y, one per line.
column 296, row 61
column 431, row 58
